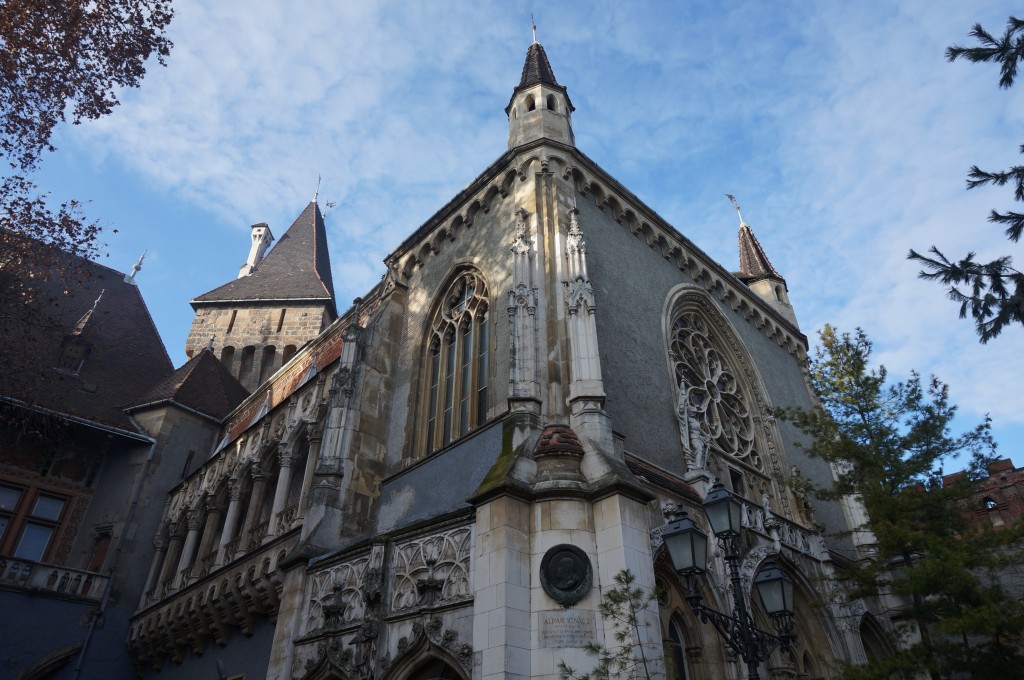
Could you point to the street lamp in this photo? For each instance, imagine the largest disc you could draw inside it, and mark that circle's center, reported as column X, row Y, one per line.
column 687, row 546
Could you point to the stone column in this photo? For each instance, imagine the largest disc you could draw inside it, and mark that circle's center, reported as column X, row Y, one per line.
column 230, row 520
column 314, row 436
column 252, row 514
column 191, row 539
column 210, row 528
column 284, row 480
column 167, row 571
column 159, row 550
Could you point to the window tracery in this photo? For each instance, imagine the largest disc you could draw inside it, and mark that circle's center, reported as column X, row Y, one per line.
column 712, row 404
column 458, row 358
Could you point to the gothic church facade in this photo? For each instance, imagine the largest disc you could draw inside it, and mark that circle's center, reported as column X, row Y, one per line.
column 546, row 367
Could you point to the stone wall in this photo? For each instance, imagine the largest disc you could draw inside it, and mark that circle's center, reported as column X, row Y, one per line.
column 254, row 340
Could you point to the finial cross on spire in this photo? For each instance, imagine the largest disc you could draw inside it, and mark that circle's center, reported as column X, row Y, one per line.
column 316, row 194
column 533, row 25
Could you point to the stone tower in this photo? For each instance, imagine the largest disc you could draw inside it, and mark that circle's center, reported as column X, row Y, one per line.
column 277, row 304
column 540, row 107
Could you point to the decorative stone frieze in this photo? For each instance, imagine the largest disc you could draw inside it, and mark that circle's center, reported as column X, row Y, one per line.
column 431, row 570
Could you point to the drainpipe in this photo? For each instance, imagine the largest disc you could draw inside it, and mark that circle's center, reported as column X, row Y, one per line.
column 97, row 615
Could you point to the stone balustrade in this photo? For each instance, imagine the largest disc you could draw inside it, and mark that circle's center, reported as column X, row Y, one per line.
column 207, row 563
column 48, row 578
column 257, row 534
column 230, row 597
column 286, row 518
column 790, row 534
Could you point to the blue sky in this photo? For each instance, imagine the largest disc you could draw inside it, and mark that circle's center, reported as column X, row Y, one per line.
column 839, row 126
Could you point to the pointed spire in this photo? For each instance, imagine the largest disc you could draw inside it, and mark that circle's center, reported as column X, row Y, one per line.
column 539, row 106
column 754, row 263
column 297, row 268
column 130, row 278
column 84, row 321
column 537, row 68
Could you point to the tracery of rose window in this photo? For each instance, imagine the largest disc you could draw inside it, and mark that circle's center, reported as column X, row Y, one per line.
column 712, row 405
column 458, row 361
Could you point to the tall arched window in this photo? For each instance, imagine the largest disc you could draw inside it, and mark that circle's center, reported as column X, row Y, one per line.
column 719, row 397
column 457, row 363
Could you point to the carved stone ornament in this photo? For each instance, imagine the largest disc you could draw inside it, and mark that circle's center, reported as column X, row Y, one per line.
column 566, row 574
column 430, row 633
column 712, row 405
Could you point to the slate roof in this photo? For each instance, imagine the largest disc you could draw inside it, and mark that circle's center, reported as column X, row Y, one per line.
column 662, row 478
column 203, row 384
column 754, row 264
column 537, row 68
column 298, row 267
column 126, row 356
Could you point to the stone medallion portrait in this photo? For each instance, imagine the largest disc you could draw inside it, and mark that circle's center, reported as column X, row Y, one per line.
column 566, row 574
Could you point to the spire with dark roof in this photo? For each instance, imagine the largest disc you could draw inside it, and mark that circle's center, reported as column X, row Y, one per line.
column 537, row 68
column 297, row 268
column 539, row 108
column 754, row 264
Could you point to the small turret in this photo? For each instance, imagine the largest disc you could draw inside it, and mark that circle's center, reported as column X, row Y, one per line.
column 758, row 273
column 261, row 240
column 540, row 107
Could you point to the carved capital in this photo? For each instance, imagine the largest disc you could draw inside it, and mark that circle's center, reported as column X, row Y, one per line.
column 313, row 432
column 256, row 471
column 192, row 518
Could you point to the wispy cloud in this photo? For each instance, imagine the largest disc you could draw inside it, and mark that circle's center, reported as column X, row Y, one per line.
column 838, row 125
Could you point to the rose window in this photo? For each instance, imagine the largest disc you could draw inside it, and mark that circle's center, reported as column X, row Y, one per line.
column 713, row 397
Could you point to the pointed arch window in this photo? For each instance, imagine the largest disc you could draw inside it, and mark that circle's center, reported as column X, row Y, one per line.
column 458, row 357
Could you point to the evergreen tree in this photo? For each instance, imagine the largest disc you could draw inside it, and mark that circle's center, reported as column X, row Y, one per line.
column 888, row 443
column 994, row 293
column 623, row 605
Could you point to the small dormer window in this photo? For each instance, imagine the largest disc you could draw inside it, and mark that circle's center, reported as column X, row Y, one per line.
column 552, row 103
column 73, row 353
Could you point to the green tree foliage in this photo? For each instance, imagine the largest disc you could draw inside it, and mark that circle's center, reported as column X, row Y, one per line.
column 992, row 292
column 889, row 442
column 624, row 605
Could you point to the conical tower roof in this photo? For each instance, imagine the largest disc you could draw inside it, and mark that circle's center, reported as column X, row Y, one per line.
column 537, row 68
column 297, row 268
column 754, row 264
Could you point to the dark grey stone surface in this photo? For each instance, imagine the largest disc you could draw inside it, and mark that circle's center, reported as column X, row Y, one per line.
column 440, row 484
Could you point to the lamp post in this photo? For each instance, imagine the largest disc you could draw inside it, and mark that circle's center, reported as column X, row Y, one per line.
column 687, row 546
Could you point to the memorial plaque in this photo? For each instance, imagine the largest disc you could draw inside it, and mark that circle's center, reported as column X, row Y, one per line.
column 567, row 628
column 565, row 574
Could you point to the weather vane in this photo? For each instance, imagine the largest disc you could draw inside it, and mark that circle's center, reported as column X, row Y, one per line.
column 533, row 25
column 732, row 199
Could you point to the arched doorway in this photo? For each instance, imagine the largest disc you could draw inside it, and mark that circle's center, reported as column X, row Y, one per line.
column 434, row 669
